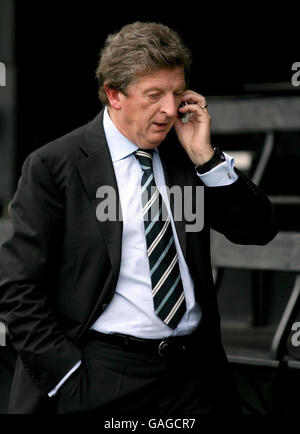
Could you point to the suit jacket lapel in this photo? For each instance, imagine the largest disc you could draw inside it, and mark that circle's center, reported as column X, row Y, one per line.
column 96, row 170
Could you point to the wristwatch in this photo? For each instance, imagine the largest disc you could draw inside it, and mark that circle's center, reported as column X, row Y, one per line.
column 217, row 158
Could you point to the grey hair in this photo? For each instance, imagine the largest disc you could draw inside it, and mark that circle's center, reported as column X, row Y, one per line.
column 136, row 50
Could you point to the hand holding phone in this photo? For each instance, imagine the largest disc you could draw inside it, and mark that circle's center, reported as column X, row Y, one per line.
column 192, row 127
column 184, row 116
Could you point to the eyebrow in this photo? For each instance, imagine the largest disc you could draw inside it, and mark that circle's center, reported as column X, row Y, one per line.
column 158, row 89
column 153, row 89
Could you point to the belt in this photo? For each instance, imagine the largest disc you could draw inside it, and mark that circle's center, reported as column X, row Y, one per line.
column 165, row 348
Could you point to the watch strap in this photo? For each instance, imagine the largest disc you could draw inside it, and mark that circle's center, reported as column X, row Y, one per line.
column 217, row 158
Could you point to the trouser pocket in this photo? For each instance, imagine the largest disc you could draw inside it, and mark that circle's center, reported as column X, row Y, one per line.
column 95, row 385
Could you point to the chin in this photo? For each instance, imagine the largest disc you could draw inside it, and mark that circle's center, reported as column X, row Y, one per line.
column 149, row 145
column 157, row 140
column 153, row 141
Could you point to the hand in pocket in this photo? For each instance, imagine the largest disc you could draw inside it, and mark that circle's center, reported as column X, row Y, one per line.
column 69, row 391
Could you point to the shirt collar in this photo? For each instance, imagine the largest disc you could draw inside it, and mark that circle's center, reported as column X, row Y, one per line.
column 119, row 146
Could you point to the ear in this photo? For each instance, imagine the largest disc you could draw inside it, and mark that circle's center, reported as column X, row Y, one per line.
column 113, row 96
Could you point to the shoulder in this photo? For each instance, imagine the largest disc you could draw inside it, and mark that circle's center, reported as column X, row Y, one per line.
column 62, row 148
column 61, row 155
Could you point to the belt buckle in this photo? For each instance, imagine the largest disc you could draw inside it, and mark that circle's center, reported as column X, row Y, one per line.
column 162, row 345
column 173, row 348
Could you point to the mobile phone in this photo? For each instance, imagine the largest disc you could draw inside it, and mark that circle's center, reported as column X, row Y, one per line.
column 184, row 116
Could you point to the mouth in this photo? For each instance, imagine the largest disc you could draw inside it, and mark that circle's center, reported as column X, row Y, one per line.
column 160, row 125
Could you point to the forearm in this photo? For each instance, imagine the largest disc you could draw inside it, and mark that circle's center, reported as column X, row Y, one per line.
column 241, row 211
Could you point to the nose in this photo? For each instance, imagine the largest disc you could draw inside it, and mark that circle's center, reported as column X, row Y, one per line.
column 169, row 105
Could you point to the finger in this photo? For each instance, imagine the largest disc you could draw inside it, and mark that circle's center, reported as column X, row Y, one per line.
column 194, row 98
column 194, row 108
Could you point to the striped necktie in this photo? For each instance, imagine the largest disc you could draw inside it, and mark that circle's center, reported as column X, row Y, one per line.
column 167, row 289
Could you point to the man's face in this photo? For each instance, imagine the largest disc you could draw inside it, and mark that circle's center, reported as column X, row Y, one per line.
column 149, row 110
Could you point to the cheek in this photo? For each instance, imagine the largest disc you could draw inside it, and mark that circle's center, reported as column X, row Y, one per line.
column 146, row 115
column 140, row 113
column 142, row 116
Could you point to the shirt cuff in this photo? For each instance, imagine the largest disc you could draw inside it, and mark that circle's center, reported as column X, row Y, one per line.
column 223, row 174
column 54, row 391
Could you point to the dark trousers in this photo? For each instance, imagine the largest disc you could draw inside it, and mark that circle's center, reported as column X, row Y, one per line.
column 115, row 380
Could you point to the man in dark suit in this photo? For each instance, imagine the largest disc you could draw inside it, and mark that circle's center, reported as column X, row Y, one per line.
column 118, row 315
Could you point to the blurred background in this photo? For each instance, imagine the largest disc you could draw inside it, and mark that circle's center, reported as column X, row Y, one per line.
column 245, row 63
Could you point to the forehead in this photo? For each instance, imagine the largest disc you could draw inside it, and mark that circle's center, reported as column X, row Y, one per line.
column 166, row 78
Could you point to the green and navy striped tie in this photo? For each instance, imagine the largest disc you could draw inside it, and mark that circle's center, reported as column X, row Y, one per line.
column 167, row 289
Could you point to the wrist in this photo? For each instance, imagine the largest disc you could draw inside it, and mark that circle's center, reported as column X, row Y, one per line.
column 204, row 156
column 217, row 157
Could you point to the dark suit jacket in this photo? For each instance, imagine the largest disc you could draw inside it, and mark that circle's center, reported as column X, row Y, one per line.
column 59, row 269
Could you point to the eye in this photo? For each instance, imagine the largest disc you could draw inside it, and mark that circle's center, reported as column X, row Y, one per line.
column 154, row 96
column 178, row 94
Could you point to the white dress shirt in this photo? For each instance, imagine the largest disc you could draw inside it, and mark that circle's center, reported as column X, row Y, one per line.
column 131, row 309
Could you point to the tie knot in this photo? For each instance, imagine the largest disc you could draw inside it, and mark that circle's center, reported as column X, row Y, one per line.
column 145, row 157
